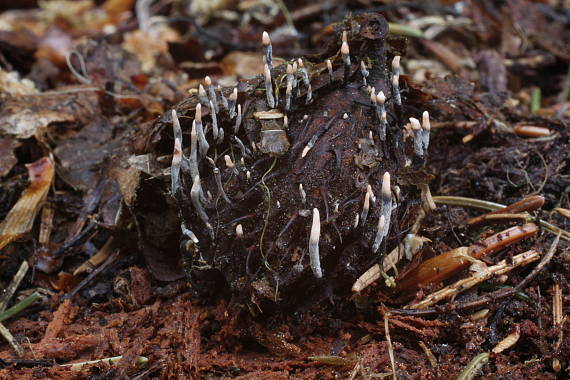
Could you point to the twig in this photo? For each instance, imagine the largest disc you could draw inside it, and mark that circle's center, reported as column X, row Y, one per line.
column 431, row 357
column 19, row 306
column 496, row 270
column 109, row 361
column 331, row 360
column 90, row 264
column 527, row 204
column 82, row 76
column 390, row 347
column 491, row 206
column 474, row 366
column 405, row 30
column 357, row 368
column 563, row 211
column 93, row 274
column 545, row 260
column 11, row 289
column 467, row 202
column 46, row 225
column 558, row 321
column 10, row 338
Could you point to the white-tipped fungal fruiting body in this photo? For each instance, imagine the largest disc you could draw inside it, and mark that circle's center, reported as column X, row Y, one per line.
column 267, row 50
column 396, row 80
column 314, row 238
column 426, row 127
column 418, row 141
column 302, row 193
column 345, row 53
column 212, row 93
column 202, row 96
column 386, row 202
column 202, row 142
column 176, row 154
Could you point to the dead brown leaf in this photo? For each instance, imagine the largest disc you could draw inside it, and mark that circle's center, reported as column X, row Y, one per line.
column 21, row 217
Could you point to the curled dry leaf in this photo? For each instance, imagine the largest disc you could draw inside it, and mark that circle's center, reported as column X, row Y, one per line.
column 21, row 217
column 148, row 46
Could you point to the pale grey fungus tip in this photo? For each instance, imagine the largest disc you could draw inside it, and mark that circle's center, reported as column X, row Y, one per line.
column 212, row 93
column 330, row 70
column 202, row 96
column 418, row 138
column 267, row 50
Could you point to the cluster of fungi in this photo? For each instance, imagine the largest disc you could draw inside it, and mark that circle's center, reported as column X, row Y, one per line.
column 302, row 178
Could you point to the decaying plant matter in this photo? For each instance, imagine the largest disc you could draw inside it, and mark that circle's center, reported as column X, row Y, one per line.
column 316, row 141
column 204, row 199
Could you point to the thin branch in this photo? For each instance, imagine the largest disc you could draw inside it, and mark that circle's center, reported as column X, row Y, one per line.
column 19, row 306
column 10, row 338
column 11, row 289
column 491, row 206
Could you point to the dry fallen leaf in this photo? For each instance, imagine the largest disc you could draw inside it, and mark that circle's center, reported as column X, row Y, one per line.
column 21, row 217
column 11, row 84
column 149, row 45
